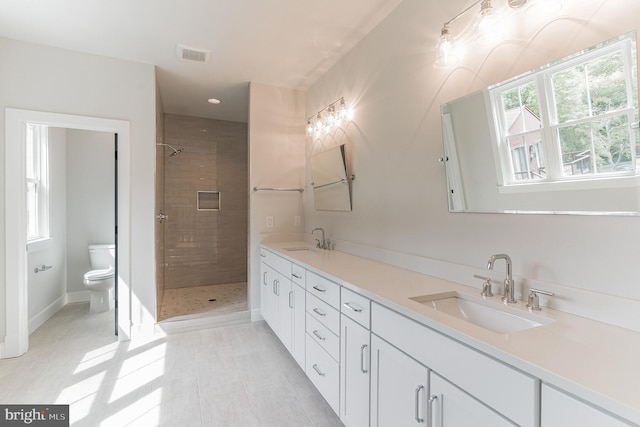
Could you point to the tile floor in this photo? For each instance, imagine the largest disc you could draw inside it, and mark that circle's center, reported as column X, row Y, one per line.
column 229, row 376
column 194, row 302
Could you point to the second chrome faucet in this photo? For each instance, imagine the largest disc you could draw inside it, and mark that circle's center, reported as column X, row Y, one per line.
column 508, row 295
column 321, row 244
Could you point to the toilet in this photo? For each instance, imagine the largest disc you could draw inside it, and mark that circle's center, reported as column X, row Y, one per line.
column 101, row 279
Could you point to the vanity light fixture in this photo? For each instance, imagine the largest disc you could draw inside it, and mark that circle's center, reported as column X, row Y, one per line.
column 213, row 101
column 328, row 118
column 489, row 29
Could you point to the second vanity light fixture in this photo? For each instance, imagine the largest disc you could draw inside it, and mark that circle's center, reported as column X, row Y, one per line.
column 489, row 27
column 328, row 118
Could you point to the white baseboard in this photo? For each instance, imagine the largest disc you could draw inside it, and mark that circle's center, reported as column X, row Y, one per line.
column 38, row 320
column 79, row 296
column 256, row 315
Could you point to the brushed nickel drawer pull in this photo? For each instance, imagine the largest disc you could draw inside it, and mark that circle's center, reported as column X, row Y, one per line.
column 296, row 276
column 319, row 312
column 319, row 289
column 363, row 369
column 418, row 419
column 318, row 371
column 320, row 337
column 432, row 399
column 352, row 307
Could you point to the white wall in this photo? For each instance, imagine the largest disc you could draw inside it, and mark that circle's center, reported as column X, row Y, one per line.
column 46, row 289
column 400, row 205
column 90, row 199
column 34, row 77
column 276, row 159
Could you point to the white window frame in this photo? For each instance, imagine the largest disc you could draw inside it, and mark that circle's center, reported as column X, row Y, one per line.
column 37, row 178
column 555, row 179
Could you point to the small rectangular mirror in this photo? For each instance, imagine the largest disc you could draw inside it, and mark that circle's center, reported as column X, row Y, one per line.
column 331, row 181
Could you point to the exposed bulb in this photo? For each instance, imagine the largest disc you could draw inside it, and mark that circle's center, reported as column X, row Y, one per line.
column 446, row 50
column 490, row 26
column 320, row 125
column 344, row 112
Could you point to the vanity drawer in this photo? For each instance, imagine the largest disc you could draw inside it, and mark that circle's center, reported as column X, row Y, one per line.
column 324, row 313
column 356, row 307
column 324, row 373
column 507, row 390
column 324, row 289
column 323, row 336
column 298, row 274
column 276, row 262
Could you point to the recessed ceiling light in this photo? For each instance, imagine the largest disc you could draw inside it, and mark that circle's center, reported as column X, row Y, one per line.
column 213, row 101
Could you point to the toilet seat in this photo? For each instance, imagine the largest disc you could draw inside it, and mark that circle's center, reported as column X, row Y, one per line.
column 94, row 275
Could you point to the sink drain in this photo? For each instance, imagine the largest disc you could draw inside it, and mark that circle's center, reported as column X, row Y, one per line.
column 212, row 300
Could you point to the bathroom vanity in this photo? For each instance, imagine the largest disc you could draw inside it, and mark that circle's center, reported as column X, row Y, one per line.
column 385, row 346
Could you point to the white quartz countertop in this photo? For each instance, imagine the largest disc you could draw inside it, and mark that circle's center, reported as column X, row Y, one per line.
column 595, row 361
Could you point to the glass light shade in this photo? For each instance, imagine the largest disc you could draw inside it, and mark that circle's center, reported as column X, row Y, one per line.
column 447, row 53
column 332, row 116
column 490, row 27
column 310, row 128
column 320, row 124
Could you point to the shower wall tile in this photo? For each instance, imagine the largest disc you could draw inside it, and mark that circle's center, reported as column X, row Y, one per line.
column 205, row 247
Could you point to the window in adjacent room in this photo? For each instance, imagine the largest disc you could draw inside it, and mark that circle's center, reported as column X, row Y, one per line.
column 37, row 182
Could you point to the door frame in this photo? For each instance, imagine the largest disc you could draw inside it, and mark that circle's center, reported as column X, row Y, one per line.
column 16, row 340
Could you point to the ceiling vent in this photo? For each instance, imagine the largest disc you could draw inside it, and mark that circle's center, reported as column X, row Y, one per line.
column 194, row 54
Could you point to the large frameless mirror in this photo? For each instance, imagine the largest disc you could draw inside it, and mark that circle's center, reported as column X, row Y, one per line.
column 562, row 138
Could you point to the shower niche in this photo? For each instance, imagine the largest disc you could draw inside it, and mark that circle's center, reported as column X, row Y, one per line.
column 208, row 201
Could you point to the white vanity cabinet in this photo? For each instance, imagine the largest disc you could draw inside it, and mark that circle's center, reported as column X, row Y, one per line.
column 561, row 410
column 298, row 297
column 451, row 407
column 495, row 385
column 268, row 297
column 277, row 296
column 323, row 337
column 399, row 387
column 355, row 359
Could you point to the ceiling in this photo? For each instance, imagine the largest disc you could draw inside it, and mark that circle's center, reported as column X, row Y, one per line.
column 284, row 43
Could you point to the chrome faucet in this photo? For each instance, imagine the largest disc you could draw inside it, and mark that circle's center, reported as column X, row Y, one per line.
column 508, row 281
column 321, row 244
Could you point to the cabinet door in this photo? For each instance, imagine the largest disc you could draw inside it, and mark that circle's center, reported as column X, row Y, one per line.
column 299, row 315
column 399, row 387
column 561, row 410
column 284, row 297
column 354, row 373
column 268, row 297
column 452, row 407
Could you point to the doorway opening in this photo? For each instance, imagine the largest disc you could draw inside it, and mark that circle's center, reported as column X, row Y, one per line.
column 16, row 261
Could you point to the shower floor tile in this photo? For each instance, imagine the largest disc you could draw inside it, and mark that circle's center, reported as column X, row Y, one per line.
column 195, row 302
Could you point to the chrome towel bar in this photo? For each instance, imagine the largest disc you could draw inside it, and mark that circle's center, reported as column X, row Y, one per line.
column 277, row 189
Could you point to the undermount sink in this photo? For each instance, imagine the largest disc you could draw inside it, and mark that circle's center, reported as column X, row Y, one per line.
column 491, row 315
column 300, row 249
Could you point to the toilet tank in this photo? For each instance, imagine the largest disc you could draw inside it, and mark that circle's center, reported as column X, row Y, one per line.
column 102, row 256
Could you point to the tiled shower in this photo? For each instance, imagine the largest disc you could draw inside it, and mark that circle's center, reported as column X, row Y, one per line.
column 202, row 238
